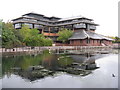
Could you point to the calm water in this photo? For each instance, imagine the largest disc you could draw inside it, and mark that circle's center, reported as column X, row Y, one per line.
column 60, row 71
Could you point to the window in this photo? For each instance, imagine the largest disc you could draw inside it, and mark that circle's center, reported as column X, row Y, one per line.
column 98, row 41
column 18, row 25
column 101, row 41
column 36, row 26
column 81, row 25
column 88, row 41
column 29, row 24
column 72, row 42
column 92, row 27
column 80, row 41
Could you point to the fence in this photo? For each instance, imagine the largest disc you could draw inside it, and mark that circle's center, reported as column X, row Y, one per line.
column 38, row 49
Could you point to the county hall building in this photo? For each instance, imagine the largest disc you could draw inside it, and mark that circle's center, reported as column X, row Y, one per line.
column 83, row 29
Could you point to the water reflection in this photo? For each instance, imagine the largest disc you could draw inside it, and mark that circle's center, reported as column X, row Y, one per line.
column 42, row 65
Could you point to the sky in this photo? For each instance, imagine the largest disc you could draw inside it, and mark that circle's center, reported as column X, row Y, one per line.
column 103, row 12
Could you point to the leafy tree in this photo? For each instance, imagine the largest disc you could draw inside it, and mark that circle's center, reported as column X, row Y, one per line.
column 32, row 38
column 9, row 39
column 117, row 39
column 24, row 33
column 47, row 42
column 25, row 36
column 64, row 34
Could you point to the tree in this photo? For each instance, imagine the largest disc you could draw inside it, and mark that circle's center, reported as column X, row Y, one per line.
column 47, row 42
column 32, row 38
column 9, row 40
column 117, row 39
column 25, row 36
column 64, row 34
column 24, row 33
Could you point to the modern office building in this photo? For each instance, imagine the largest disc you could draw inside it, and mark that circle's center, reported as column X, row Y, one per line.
column 84, row 28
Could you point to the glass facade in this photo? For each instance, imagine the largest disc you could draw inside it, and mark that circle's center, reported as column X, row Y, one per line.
column 18, row 25
column 36, row 26
column 29, row 24
column 81, row 25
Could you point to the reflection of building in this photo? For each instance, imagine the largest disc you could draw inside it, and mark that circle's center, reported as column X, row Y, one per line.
column 72, row 64
column 87, row 61
column 84, row 28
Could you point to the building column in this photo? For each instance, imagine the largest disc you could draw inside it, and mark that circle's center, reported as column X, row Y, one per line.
column 32, row 25
column 49, row 31
column 42, row 30
column 73, row 27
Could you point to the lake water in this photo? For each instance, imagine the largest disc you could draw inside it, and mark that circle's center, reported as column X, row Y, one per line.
column 50, row 70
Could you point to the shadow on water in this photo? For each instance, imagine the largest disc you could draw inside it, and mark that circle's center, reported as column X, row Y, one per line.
column 33, row 67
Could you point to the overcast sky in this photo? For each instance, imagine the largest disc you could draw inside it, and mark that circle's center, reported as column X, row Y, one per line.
column 103, row 12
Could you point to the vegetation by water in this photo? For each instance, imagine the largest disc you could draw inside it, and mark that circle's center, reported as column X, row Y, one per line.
column 22, row 37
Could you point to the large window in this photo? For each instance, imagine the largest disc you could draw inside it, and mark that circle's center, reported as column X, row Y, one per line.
column 29, row 25
column 18, row 25
column 81, row 25
column 93, row 27
column 36, row 26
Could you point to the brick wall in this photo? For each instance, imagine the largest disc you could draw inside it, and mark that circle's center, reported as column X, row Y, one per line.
column 84, row 42
column 106, row 42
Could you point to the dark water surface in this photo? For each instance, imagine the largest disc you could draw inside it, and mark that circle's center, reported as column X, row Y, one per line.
column 49, row 70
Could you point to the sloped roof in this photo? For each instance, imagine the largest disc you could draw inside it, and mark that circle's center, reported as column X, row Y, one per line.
column 82, row 34
column 74, row 17
column 107, row 38
column 93, row 35
column 78, row 35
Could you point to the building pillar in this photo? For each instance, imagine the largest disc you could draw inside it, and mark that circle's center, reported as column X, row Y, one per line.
column 42, row 30
column 73, row 27
column 49, row 30
column 32, row 25
column 88, row 27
